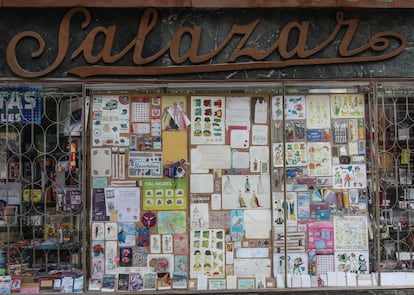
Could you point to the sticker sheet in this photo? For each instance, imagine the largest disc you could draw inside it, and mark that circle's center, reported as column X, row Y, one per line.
column 110, row 120
column 296, row 154
column 294, row 107
column 207, row 253
column 207, row 120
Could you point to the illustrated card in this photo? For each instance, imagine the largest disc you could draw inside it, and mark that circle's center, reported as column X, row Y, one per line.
column 347, row 106
column 319, row 158
column 246, row 192
column 348, row 176
column 351, row 233
column 319, row 111
column 282, row 208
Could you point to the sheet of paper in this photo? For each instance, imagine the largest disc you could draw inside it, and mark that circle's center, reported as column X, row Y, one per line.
column 296, row 282
column 202, row 282
column 306, row 281
column 238, row 111
column 280, row 281
column 260, row 134
column 126, row 200
column 101, row 162
column 196, row 159
column 174, row 147
column 252, row 252
column 257, row 224
column 251, row 266
column 239, row 138
column 240, row 160
column 231, row 282
column 215, row 201
column 214, row 156
column 201, row 183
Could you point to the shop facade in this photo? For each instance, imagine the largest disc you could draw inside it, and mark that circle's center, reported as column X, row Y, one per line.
column 199, row 149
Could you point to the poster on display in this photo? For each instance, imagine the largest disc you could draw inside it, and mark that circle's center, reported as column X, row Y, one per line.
column 319, row 158
column 164, row 194
column 351, row 232
column 294, row 107
column 285, row 207
column 295, row 154
column 246, row 192
column 356, row 262
column 110, row 120
column 347, row 106
column 318, row 111
column 296, row 263
column 349, row 176
column 20, row 105
column 174, row 116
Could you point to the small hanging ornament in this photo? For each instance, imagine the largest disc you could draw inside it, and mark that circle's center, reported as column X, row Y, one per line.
column 148, row 219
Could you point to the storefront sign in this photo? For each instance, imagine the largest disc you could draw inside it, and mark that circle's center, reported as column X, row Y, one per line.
column 20, row 105
column 187, row 52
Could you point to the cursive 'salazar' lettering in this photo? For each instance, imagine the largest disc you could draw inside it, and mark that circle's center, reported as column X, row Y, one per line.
column 380, row 46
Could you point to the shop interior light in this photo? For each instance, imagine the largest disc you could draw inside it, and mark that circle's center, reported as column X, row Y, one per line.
column 333, row 90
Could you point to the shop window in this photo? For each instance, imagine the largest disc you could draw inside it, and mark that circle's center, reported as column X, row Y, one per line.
column 42, row 199
column 234, row 188
column 392, row 119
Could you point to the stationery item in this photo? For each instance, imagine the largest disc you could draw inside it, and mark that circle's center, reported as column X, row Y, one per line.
column 340, row 134
column 207, row 253
column 101, row 162
column 165, row 194
column 324, row 264
column 208, row 120
column 318, row 111
column 108, row 283
column 122, row 163
column 123, row 282
column 110, row 117
column 347, row 106
column 145, row 164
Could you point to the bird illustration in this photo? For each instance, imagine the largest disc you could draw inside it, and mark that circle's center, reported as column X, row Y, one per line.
column 122, row 236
